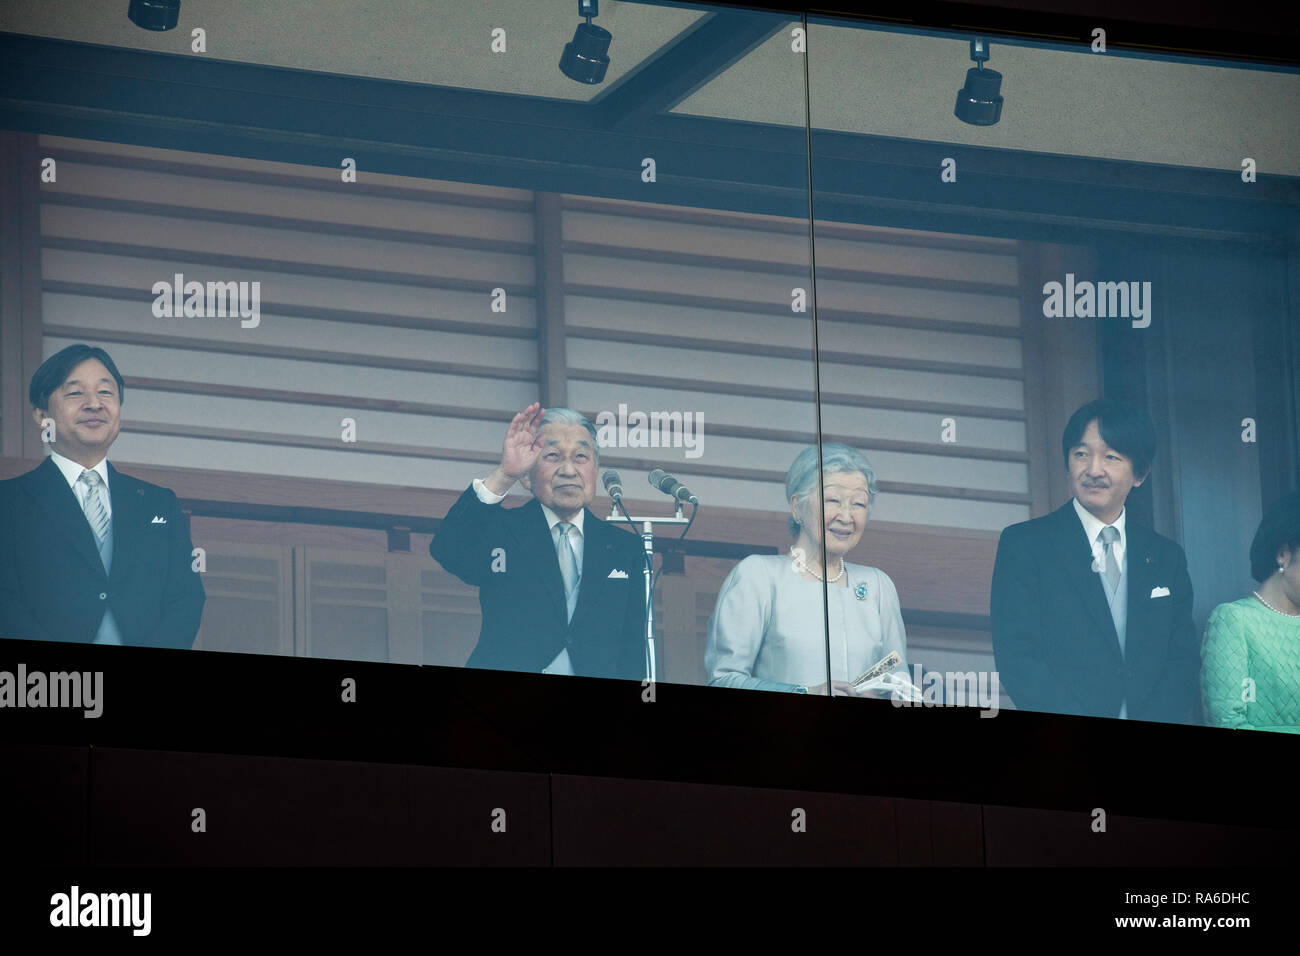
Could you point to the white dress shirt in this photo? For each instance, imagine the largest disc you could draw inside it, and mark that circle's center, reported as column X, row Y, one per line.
column 72, row 472
column 1092, row 526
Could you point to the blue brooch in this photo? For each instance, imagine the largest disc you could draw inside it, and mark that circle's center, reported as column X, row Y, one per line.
column 861, row 592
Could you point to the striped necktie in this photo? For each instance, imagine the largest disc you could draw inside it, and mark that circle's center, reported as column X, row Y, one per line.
column 95, row 508
column 1109, row 535
column 568, row 565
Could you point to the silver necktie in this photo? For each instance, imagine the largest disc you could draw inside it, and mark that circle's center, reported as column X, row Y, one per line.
column 1109, row 535
column 95, row 508
column 568, row 565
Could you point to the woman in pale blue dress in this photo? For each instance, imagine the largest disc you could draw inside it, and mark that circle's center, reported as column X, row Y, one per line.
column 769, row 628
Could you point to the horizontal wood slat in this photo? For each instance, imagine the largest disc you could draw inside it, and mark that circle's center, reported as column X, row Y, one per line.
column 286, row 266
column 768, row 267
column 331, row 183
column 378, row 319
column 285, row 352
column 729, row 347
column 782, row 308
column 802, row 395
column 887, row 320
column 260, row 220
column 825, row 230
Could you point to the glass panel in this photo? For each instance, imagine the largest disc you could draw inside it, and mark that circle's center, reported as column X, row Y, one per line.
column 997, row 249
column 671, row 308
column 347, row 307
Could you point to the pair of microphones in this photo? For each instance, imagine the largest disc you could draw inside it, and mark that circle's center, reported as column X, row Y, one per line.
column 658, row 478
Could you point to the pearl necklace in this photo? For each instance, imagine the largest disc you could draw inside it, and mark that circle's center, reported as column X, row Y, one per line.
column 832, row 580
column 801, row 564
column 1271, row 607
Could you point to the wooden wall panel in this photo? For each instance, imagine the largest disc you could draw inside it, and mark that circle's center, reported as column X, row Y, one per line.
column 375, row 308
column 249, row 606
column 908, row 324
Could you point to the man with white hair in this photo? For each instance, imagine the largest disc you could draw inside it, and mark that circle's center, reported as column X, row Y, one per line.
column 561, row 591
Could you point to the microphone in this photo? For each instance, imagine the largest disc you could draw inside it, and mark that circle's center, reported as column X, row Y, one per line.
column 613, row 484
column 671, row 486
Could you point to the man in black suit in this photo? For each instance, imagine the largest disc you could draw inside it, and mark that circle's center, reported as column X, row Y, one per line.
column 561, row 591
column 89, row 554
column 1092, row 614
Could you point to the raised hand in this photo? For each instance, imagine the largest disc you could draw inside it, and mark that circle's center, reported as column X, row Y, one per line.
column 520, row 449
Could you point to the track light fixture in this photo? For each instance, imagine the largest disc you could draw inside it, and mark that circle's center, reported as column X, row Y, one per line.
column 155, row 14
column 584, row 58
column 978, row 102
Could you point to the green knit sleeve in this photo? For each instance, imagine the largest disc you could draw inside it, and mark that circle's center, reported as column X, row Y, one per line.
column 1224, row 668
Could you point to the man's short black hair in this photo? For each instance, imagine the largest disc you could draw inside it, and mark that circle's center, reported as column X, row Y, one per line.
column 1281, row 526
column 1123, row 426
column 54, row 371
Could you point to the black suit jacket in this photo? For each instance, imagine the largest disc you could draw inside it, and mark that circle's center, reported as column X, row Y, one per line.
column 52, row 582
column 524, row 612
column 1053, row 637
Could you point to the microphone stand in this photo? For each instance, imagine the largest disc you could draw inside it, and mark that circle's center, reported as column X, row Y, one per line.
column 616, row 511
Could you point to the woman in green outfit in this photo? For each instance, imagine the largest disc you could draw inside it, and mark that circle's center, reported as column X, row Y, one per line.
column 1250, row 658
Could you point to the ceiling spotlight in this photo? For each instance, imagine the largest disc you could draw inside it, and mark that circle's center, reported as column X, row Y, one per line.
column 155, row 14
column 585, row 59
column 978, row 102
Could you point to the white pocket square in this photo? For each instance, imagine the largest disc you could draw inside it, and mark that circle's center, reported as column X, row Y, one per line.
column 1159, row 592
column 158, row 519
column 616, row 573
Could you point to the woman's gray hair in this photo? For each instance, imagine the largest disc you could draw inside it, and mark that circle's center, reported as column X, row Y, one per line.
column 837, row 458
column 567, row 416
